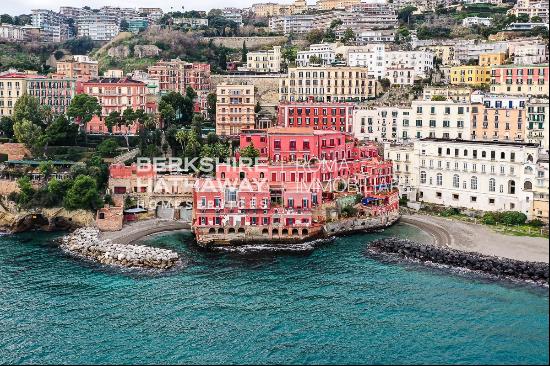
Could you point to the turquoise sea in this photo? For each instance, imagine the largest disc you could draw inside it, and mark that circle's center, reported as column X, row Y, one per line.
column 331, row 305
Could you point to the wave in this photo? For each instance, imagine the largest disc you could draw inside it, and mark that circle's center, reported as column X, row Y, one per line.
column 273, row 247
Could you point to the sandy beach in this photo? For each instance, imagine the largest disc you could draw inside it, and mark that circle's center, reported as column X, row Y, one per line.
column 479, row 238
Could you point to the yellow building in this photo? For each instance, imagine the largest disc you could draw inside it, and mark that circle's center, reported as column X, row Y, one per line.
column 234, row 108
column 265, row 10
column 12, row 86
column 335, row 4
column 492, row 59
column 470, row 75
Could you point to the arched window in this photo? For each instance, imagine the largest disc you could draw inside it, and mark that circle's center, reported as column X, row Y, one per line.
column 439, row 179
column 223, row 175
column 530, row 158
column 262, row 175
column 423, row 177
column 527, row 186
column 456, row 181
column 473, row 183
column 511, row 187
column 492, row 185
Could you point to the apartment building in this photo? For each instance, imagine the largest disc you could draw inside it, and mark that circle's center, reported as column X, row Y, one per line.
column 318, row 54
column 335, row 4
column 532, row 8
column 538, row 123
column 470, row 75
column 380, row 123
column 12, row 86
column 81, row 67
column 234, row 108
column 450, row 92
column 404, row 176
column 12, row 32
column 233, row 14
column 471, row 21
column 100, row 26
column 328, row 84
column 492, row 59
column 54, row 91
column 266, row 10
column 53, row 26
column 541, row 189
column 529, row 80
column 378, row 60
column 191, row 22
column 293, row 24
column 477, row 175
column 320, row 116
column 264, row 61
column 437, row 119
column 530, row 54
column 117, row 94
column 467, row 50
column 491, row 123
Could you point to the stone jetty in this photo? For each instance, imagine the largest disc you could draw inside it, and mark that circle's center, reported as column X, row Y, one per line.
column 86, row 242
column 497, row 266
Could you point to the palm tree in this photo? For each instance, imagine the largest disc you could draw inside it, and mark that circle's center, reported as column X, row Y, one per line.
column 181, row 137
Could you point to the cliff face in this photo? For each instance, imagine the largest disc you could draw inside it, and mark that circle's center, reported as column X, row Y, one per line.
column 47, row 219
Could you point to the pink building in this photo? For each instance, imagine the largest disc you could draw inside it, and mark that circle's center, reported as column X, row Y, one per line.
column 117, row 94
column 319, row 115
column 282, row 196
column 520, row 80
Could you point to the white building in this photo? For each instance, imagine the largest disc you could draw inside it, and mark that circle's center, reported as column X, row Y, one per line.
column 375, row 35
column 538, row 122
column 322, row 51
column 380, row 123
column 233, row 14
column 378, row 61
column 12, row 32
column 470, row 21
column 53, row 26
column 100, row 26
column 191, row 22
column 531, row 8
column 436, row 119
column 484, row 176
column 264, row 61
column 531, row 53
column 402, row 157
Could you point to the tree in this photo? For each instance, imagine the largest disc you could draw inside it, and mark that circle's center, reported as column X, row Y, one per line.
column 29, row 134
column 182, row 106
column 257, row 107
column 315, row 36
column 348, row 36
column 108, row 148
column 167, row 113
column 244, row 52
column 124, row 25
column 79, row 45
column 83, row 108
column 190, row 93
column 83, row 194
column 315, row 60
column 28, row 108
column 336, row 23
column 181, row 137
column 211, row 100
column 405, row 13
column 61, row 131
column 192, row 145
column 523, row 18
column 536, row 19
column 6, row 126
column 222, row 58
column 26, row 190
column 251, row 153
column 46, row 168
column 196, row 125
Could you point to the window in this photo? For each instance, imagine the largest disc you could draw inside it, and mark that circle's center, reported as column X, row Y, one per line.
column 438, row 194
column 456, row 181
column 439, row 179
column 511, row 187
column 423, row 177
column 473, row 198
column 455, row 197
column 492, row 185
column 491, row 201
column 473, row 182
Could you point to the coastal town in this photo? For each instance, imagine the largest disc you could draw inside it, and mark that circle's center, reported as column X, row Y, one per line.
column 277, row 123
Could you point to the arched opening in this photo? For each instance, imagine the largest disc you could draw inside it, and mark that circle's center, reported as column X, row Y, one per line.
column 527, row 185
column 101, row 215
column 511, row 187
column 294, row 231
column 530, row 158
column 211, row 230
column 285, row 232
column 305, row 232
column 275, row 232
column 241, row 230
column 220, row 231
column 265, row 231
column 231, row 230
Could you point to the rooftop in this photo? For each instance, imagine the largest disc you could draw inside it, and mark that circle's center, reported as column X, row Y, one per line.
column 482, row 142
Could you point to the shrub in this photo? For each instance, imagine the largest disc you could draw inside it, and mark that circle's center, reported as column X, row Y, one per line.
column 535, row 223
column 489, row 218
column 513, row 218
column 450, row 211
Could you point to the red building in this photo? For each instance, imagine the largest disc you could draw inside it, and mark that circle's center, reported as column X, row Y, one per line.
column 520, row 80
column 117, row 94
column 319, row 115
column 300, row 169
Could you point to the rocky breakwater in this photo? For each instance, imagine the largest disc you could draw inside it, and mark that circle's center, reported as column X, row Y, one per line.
column 86, row 243
column 496, row 266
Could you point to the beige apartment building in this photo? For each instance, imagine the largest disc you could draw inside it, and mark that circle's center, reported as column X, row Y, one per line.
column 497, row 124
column 79, row 67
column 12, row 86
column 335, row 4
column 234, row 108
column 327, row 84
column 264, row 61
column 265, row 10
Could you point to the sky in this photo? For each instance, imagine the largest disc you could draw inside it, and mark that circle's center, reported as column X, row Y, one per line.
column 16, row 7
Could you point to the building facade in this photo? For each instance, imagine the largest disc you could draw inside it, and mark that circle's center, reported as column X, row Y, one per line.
column 55, row 91
column 320, row 116
column 264, row 61
column 81, row 67
column 529, row 80
column 234, row 108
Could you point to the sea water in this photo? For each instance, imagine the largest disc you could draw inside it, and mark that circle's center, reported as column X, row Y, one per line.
column 332, row 305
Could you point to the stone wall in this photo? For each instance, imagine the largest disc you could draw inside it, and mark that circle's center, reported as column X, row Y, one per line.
column 148, row 50
column 497, row 266
column 15, row 151
column 355, row 224
column 251, row 42
column 267, row 86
